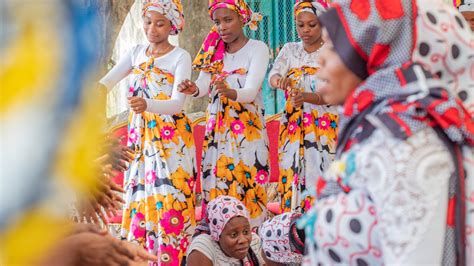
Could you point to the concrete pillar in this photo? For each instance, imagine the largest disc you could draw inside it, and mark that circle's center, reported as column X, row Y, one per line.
column 196, row 28
column 112, row 13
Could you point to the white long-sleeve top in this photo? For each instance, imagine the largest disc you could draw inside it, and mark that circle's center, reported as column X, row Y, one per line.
column 254, row 57
column 177, row 62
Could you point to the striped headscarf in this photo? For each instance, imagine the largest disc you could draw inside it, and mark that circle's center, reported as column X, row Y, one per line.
column 171, row 9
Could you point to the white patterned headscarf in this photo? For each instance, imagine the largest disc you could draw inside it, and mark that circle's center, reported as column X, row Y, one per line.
column 220, row 211
column 445, row 47
column 171, row 9
column 280, row 241
column 467, row 6
column 316, row 7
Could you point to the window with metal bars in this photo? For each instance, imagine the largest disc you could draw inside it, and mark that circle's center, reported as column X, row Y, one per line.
column 276, row 28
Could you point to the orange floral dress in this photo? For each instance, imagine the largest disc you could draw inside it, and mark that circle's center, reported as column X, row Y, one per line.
column 159, row 185
column 235, row 151
column 308, row 134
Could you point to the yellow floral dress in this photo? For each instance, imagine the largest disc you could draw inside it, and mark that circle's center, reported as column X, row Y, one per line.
column 159, row 209
column 308, row 134
column 235, row 151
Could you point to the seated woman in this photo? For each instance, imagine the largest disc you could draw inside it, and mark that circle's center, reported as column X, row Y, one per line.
column 231, row 241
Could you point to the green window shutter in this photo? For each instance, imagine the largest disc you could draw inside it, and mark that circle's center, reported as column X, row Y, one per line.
column 276, row 28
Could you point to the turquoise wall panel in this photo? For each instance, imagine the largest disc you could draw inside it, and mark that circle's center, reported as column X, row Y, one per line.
column 276, row 28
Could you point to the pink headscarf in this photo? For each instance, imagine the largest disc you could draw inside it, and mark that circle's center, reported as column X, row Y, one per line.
column 209, row 59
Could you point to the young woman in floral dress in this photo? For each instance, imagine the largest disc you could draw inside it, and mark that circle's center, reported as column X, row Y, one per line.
column 233, row 67
column 159, row 185
column 308, row 125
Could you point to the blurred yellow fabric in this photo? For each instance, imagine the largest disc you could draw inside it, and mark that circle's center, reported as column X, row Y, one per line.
column 32, row 72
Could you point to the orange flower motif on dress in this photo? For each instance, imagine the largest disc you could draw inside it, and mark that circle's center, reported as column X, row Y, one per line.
column 185, row 131
column 253, row 125
column 225, row 168
column 231, row 105
column 180, row 180
column 189, row 213
column 161, row 96
column 234, row 190
column 245, row 174
column 255, row 201
column 286, row 201
column 155, row 205
column 285, row 180
column 214, row 193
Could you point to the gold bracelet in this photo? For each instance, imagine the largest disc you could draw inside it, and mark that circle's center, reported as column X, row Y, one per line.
column 319, row 98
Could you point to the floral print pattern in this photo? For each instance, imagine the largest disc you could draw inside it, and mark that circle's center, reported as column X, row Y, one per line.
column 235, row 152
column 159, row 185
column 308, row 135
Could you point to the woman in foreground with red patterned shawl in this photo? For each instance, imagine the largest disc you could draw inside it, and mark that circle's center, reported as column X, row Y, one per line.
column 395, row 194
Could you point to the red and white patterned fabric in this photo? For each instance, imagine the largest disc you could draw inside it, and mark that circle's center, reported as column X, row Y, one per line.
column 377, row 45
column 445, row 47
column 346, row 231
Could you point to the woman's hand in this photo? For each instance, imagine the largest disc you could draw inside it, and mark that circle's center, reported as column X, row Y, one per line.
column 297, row 98
column 283, row 83
column 88, row 228
column 224, row 91
column 85, row 247
column 188, row 87
column 279, row 82
column 137, row 104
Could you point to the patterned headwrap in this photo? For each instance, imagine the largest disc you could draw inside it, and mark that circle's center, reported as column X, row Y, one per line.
column 171, row 9
column 382, row 37
column 445, row 47
column 316, row 7
column 466, row 6
column 210, row 57
column 280, row 240
column 220, row 211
